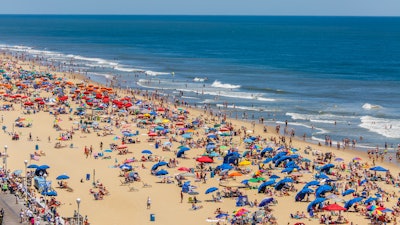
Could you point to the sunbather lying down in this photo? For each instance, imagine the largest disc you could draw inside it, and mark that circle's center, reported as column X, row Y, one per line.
column 196, row 207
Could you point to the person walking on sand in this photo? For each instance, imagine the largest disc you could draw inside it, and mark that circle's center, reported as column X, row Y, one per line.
column 148, row 203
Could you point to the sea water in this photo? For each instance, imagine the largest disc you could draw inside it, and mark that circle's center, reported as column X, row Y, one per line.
column 325, row 76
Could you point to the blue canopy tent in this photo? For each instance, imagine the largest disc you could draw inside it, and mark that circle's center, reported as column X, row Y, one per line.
column 265, row 150
column 370, row 199
column 314, row 203
column 348, row 191
column 161, row 173
column 232, row 158
column 352, row 201
column 281, row 183
column 155, row 166
column 262, row 186
column 322, row 190
column 326, row 168
column 311, row 183
column 279, row 155
column 181, row 152
column 301, row 194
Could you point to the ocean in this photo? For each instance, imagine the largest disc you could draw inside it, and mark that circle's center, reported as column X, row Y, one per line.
column 336, row 77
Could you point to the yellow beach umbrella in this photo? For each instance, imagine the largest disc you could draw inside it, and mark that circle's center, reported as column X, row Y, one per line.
column 245, row 163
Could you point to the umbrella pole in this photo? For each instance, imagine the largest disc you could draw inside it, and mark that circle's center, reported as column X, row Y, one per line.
column 94, row 177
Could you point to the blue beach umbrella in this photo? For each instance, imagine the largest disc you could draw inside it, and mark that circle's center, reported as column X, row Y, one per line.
column 44, row 167
column 155, row 166
column 221, row 215
column 262, row 186
column 147, row 152
column 274, row 176
column 32, row 166
column 379, row 168
column 161, row 173
column 347, row 192
column 62, row 177
column 108, row 150
column 211, row 189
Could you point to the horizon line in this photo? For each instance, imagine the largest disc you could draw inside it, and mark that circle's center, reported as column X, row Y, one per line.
column 199, row 15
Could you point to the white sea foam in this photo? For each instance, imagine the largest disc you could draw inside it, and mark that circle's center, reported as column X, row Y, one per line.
column 249, row 108
column 153, row 73
column 199, row 79
column 386, row 127
column 265, row 99
column 368, row 106
column 218, row 84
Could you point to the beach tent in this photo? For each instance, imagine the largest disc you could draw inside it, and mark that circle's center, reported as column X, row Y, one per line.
column 322, row 190
column 265, row 150
column 262, row 187
column 314, row 203
column 232, row 158
column 311, row 183
column 301, row 194
column 326, row 168
column 348, row 191
column 155, row 166
column 281, row 183
column 352, row 201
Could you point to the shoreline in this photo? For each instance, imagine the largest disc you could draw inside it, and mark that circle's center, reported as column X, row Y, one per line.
column 102, row 166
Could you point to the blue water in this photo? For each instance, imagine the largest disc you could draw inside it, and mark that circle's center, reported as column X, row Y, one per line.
column 311, row 71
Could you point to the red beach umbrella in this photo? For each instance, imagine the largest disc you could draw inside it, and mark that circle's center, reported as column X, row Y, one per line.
column 334, row 207
column 205, row 159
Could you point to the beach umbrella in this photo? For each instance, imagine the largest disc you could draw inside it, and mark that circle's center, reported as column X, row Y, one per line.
column 265, row 202
column 262, row 187
column 339, row 160
column 370, row 199
column 255, row 180
column 62, row 177
column 357, row 159
column 161, row 173
column 315, row 202
column 274, row 176
column 49, row 193
column 221, row 215
column 184, row 169
column 334, row 207
column 225, row 166
column 17, row 172
column 235, row 174
column 125, row 167
column 147, row 152
column 32, row 166
column 379, row 168
column 312, row 183
column 244, row 163
column 326, row 167
column 322, row 189
column 187, row 136
column 108, row 150
column 44, row 167
column 211, row 189
column 155, row 166
column 267, row 160
column 348, row 191
column 352, row 201
column 205, row 159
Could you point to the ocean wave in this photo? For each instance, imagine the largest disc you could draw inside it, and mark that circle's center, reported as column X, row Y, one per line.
column 153, row 73
column 218, row 84
column 368, row 106
column 386, row 127
column 248, row 108
column 200, row 79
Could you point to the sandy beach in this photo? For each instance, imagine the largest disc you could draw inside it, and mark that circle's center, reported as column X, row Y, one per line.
column 43, row 126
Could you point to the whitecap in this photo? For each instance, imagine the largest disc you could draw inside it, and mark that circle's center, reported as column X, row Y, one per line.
column 384, row 126
column 218, row 84
column 368, row 106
